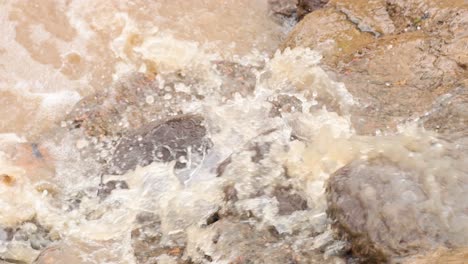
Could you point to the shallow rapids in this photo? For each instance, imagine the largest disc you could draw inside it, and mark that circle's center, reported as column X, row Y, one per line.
column 277, row 123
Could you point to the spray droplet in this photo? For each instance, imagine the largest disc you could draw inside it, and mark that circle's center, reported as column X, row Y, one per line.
column 149, row 99
column 81, row 143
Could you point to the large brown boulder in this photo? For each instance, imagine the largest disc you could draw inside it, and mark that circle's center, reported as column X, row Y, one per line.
column 396, row 58
column 396, row 79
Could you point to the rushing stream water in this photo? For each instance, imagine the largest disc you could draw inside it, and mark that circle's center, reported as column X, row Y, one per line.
column 280, row 125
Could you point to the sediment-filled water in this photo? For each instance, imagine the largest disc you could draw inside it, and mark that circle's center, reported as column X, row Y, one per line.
column 281, row 123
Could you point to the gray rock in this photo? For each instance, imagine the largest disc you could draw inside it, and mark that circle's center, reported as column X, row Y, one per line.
column 29, row 237
column 296, row 9
column 288, row 200
column 449, row 115
column 107, row 188
column 182, row 138
column 387, row 211
column 306, row 6
column 282, row 8
column 284, row 103
column 147, row 241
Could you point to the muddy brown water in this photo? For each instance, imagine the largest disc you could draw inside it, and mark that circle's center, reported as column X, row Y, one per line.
column 277, row 141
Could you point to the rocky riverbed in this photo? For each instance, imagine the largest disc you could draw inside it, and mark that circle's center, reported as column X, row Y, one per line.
column 280, row 131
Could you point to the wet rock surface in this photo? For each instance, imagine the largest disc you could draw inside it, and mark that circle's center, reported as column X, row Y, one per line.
column 236, row 78
column 137, row 99
column 306, row 6
column 252, row 245
column 108, row 187
column 449, row 115
column 417, row 77
column 288, row 201
column 182, row 138
column 282, row 9
column 266, row 214
column 139, row 119
column 295, row 9
column 285, row 104
column 147, row 241
column 118, row 109
column 389, row 212
column 383, row 50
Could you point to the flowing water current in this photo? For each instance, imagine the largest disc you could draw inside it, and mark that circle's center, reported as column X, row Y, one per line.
column 281, row 121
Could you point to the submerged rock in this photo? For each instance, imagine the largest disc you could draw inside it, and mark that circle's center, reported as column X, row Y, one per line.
column 252, row 246
column 288, row 201
column 388, row 211
column 236, row 78
column 147, row 241
column 110, row 186
column 234, row 241
column 283, row 8
column 284, row 103
column 24, row 242
column 449, row 114
column 181, row 138
column 130, row 103
column 80, row 252
column 295, row 9
column 136, row 99
column 136, row 104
